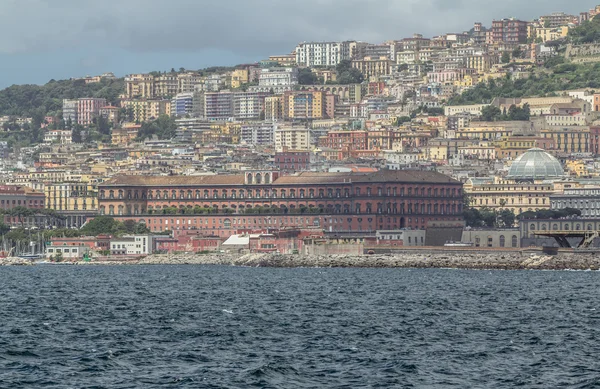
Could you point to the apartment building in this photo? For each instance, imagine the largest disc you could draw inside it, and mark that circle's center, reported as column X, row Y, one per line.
column 274, row 108
column 139, row 86
column 144, row 110
column 327, row 53
column 509, row 31
column 304, row 105
column 259, row 133
column 88, row 109
column 558, row 19
column 188, row 82
column 218, row 105
column 69, row 109
column 374, row 66
column 182, row 104
column 277, row 77
column 292, row 138
column 569, row 139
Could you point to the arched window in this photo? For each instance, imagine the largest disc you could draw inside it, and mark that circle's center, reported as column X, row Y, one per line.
column 502, row 241
column 258, row 178
column 514, row 241
column 249, row 178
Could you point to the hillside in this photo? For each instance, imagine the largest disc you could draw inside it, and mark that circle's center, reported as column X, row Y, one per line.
column 39, row 100
column 557, row 74
column 562, row 76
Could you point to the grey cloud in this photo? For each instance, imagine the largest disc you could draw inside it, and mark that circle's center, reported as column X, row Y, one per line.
column 273, row 26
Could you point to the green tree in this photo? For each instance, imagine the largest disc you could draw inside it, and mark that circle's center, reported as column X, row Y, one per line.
column 346, row 74
column 306, row 77
column 164, row 128
column 101, row 225
column 491, row 113
column 506, row 218
column 505, row 58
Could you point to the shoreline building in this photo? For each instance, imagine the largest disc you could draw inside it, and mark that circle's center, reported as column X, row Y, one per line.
column 335, row 202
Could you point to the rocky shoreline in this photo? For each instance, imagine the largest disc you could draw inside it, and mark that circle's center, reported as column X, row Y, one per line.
column 454, row 260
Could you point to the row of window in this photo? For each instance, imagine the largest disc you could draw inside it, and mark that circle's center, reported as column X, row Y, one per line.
column 428, row 209
column 283, row 193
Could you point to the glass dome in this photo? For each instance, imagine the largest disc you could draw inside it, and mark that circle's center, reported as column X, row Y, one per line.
column 535, row 164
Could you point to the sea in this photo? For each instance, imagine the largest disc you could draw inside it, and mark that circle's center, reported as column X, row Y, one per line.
column 231, row 327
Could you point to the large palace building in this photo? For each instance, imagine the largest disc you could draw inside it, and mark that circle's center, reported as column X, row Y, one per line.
column 259, row 200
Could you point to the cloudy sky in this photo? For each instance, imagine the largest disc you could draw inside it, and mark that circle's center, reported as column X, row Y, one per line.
column 56, row 39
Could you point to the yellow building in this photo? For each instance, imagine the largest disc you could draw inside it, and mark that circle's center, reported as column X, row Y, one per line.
column 527, row 187
column 166, row 85
column 284, row 60
column 467, row 81
column 550, row 34
column 577, row 167
column 374, row 66
column 514, row 146
column 139, row 86
column 497, row 194
column 71, row 196
column 239, row 77
column 274, row 108
column 304, row 105
column 480, row 132
column 569, row 139
column 147, row 110
column 481, row 63
column 125, row 135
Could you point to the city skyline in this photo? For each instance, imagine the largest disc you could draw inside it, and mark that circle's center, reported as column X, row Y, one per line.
column 60, row 41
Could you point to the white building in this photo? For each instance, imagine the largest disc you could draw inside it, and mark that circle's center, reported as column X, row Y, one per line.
column 70, row 111
column 63, row 137
column 292, row 138
column 587, row 200
column 278, row 77
column 261, row 133
column 328, row 53
column 408, row 237
column 67, row 252
column 132, row 245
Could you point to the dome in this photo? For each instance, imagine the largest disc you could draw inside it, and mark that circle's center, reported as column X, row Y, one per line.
column 535, row 164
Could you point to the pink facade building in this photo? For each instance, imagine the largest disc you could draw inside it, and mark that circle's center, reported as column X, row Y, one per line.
column 88, row 108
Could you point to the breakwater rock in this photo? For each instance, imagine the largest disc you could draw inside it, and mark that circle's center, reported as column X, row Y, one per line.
column 513, row 260
column 489, row 260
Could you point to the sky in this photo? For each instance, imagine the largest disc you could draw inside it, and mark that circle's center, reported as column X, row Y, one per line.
column 58, row 39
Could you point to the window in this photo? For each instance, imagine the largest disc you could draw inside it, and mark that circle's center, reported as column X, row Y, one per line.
column 502, row 241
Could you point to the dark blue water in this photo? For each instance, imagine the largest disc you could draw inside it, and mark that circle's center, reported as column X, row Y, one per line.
column 221, row 327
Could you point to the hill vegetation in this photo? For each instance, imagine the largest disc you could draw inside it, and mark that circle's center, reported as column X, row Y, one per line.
column 587, row 32
column 37, row 101
column 561, row 76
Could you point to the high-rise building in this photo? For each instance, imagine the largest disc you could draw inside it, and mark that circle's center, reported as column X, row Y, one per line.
column 259, row 133
column 70, row 111
column 509, row 31
column 328, row 53
column 182, row 104
column 88, row 108
column 143, row 110
column 304, row 105
column 218, row 105
column 139, row 86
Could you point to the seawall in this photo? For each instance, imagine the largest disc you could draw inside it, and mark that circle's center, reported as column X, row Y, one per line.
column 510, row 260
